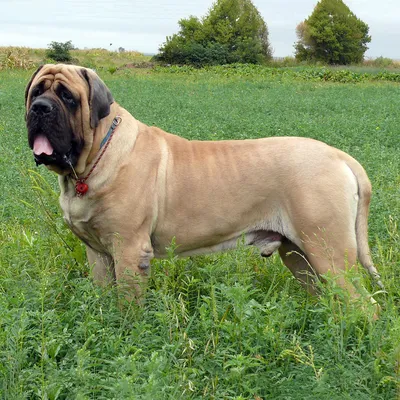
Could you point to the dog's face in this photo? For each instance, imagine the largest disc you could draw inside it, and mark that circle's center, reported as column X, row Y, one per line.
column 64, row 105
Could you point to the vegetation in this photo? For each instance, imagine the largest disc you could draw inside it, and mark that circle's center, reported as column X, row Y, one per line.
column 227, row 326
column 112, row 61
column 233, row 31
column 332, row 34
column 60, row 52
column 26, row 58
column 307, row 73
column 15, row 58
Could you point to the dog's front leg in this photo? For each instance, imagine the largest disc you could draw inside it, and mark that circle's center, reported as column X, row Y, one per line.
column 132, row 265
column 102, row 267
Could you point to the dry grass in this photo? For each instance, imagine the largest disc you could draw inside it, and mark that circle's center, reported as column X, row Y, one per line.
column 26, row 58
column 15, row 58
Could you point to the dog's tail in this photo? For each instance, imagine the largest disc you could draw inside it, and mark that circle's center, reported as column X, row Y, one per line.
column 364, row 198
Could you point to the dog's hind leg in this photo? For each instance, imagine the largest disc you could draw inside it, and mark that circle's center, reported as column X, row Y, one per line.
column 334, row 254
column 295, row 259
column 335, row 262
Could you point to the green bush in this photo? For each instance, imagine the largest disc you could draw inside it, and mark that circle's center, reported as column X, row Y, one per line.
column 332, row 34
column 232, row 32
column 59, row 51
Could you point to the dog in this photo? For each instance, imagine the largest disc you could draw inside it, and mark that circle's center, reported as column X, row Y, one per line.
column 128, row 189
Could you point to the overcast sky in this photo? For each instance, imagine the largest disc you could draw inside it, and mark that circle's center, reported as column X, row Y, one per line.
column 144, row 24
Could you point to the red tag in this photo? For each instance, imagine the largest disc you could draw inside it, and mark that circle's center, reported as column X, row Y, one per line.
column 81, row 188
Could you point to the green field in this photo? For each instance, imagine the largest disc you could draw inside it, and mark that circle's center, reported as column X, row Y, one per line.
column 227, row 326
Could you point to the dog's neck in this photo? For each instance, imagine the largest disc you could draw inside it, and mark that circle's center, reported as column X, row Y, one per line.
column 100, row 133
column 121, row 141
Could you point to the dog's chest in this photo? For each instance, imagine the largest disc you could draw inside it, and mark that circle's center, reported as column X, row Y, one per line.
column 80, row 215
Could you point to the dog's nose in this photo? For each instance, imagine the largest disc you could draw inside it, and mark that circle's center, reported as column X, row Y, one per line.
column 42, row 106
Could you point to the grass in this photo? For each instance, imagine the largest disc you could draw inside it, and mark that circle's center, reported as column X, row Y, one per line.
column 226, row 326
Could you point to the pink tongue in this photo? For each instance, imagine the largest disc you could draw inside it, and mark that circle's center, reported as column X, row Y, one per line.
column 42, row 145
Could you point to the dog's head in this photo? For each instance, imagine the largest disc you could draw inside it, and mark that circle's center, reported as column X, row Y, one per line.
column 64, row 104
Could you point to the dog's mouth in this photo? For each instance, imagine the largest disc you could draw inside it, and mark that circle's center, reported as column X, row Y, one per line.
column 44, row 153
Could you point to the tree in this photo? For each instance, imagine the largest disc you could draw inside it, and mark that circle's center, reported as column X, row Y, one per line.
column 332, row 34
column 59, row 51
column 233, row 31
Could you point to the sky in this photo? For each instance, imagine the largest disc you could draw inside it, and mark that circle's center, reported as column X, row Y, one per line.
column 143, row 25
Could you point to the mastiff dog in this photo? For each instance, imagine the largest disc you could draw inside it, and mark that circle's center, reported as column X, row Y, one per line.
column 128, row 189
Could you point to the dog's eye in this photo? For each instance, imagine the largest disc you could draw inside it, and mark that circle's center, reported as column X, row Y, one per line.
column 67, row 97
column 36, row 92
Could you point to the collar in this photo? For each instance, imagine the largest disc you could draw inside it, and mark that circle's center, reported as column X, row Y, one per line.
column 81, row 187
column 115, row 123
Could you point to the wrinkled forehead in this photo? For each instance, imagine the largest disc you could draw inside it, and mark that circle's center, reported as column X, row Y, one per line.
column 51, row 76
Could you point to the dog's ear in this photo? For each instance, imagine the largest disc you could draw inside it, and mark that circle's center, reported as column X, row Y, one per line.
column 100, row 97
column 30, row 84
